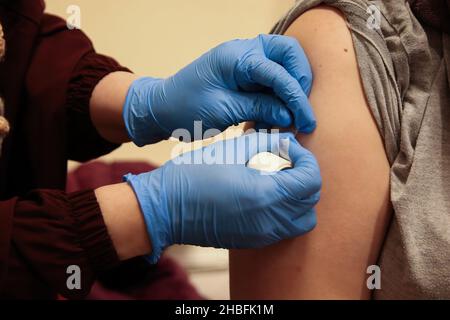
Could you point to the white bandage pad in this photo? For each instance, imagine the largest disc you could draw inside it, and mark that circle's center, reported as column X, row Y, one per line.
column 268, row 162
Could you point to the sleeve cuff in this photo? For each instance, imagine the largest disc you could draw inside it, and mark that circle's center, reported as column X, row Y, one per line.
column 92, row 232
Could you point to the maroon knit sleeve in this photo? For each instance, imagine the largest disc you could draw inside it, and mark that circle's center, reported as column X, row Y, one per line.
column 84, row 142
column 62, row 74
column 45, row 233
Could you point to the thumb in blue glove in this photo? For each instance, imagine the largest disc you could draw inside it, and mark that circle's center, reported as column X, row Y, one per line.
column 225, row 204
column 265, row 79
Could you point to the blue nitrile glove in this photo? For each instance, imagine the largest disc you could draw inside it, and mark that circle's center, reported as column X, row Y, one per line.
column 201, row 199
column 265, row 79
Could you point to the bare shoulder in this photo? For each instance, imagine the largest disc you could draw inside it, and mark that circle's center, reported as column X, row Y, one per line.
column 326, row 39
column 323, row 32
column 337, row 95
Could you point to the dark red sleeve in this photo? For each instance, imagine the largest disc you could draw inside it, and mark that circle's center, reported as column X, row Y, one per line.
column 44, row 233
column 62, row 75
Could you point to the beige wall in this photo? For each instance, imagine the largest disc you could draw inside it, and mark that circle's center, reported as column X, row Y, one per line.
column 158, row 37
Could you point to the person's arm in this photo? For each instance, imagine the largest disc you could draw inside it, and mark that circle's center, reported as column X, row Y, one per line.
column 95, row 96
column 107, row 103
column 331, row 261
column 124, row 220
column 45, row 232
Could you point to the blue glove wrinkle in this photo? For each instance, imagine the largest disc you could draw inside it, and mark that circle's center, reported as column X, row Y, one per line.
column 156, row 221
column 287, row 52
column 139, row 119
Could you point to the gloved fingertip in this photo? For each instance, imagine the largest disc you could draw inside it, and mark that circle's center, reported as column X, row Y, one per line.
column 310, row 221
column 307, row 128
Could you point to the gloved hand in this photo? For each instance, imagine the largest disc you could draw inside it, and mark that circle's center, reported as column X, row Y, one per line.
column 266, row 79
column 200, row 199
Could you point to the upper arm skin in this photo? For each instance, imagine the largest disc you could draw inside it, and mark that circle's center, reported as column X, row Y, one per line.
column 331, row 261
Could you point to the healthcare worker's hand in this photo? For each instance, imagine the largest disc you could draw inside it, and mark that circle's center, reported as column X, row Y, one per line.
column 266, row 80
column 229, row 205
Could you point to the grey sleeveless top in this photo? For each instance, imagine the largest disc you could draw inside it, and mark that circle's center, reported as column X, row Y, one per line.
column 405, row 71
